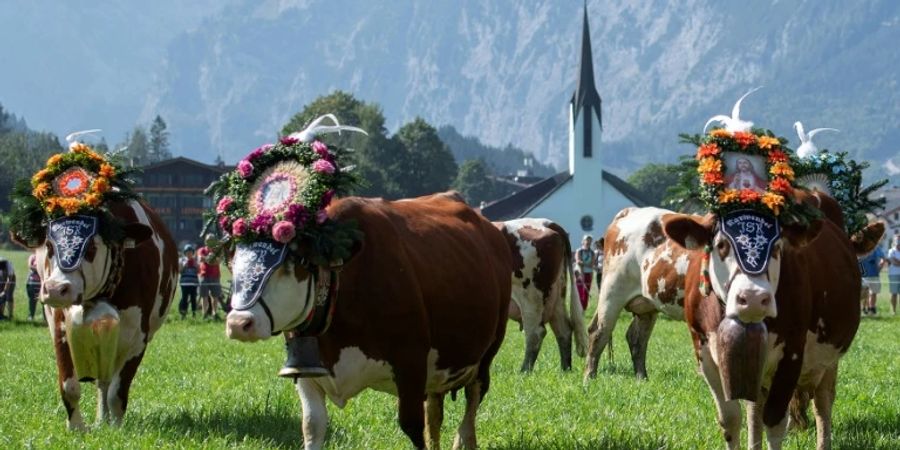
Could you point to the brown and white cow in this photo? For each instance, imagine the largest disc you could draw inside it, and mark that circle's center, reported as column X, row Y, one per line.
column 643, row 273
column 542, row 265
column 421, row 311
column 104, row 309
column 760, row 337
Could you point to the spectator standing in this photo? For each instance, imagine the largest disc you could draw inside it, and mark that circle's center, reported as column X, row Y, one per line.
column 870, row 266
column 210, row 279
column 893, row 259
column 584, row 269
column 32, row 287
column 7, row 288
column 189, row 279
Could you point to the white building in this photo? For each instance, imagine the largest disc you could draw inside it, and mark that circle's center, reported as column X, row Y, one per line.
column 585, row 198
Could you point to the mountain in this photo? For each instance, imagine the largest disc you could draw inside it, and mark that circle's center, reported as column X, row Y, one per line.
column 228, row 75
column 502, row 161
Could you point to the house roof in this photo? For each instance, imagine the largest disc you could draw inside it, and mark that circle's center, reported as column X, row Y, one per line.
column 182, row 159
column 522, row 202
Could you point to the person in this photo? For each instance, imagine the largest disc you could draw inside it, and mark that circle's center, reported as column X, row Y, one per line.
column 870, row 265
column 893, row 259
column 745, row 177
column 187, row 267
column 7, row 288
column 584, row 269
column 598, row 260
column 210, row 279
column 32, row 287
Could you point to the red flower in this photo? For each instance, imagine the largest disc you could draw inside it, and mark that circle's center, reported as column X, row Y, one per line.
column 777, row 156
column 713, row 178
column 780, row 184
column 744, row 139
column 710, row 149
column 749, row 196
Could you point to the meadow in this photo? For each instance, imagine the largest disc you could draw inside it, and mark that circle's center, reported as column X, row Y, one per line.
column 197, row 389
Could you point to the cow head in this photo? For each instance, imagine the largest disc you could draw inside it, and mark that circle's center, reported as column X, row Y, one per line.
column 75, row 263
column 273, row 290
column 745, row 257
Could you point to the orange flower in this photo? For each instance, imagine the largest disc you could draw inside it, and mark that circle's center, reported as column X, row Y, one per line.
column 720, row 133
column 773, row 201
column 713, row 178
column 777, row 156
column 710, row 149
column 39, row 177
column 101, row 185
column 783, row 169
column 41, row 190
column 709, row 164
column 107, row 170
column 51, row 204
column 768, row 143
column 749, row 196
column 744, row 139
column 78, row 147
column 95, row 156
column 92, row 200
column 54, row 160
column 70, row 205
column 779, row 184
column 728, row 196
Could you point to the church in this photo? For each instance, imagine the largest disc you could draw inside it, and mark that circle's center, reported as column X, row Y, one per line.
column 584, row 198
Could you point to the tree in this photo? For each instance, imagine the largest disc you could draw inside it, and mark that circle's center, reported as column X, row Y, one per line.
column 654, row 180
column 427, row 165
column 137, row 147
column 21, row 155
column 159, row 141
column 474, row 183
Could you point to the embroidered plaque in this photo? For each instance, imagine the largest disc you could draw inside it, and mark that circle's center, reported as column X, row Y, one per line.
column 752, row 236
column 254, row 263
column 69, row 237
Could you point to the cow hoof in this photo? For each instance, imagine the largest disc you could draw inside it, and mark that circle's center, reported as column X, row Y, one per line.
column 78, row 427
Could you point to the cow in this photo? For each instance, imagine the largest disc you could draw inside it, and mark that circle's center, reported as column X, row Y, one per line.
column 643, row 273
column 761, row 337
column 542, row 261
column 104, row 301
column 420, row 310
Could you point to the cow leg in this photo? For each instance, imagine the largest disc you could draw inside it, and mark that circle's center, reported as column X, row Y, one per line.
column 410, row 383
column 601, row 330
column 755, row 422
column 561, row 328
column 638, row 336
column 69, row 387
column 315, row 414
column 534, row 333
column 434, row 418
column 465, row 436
column 728, row 412
column 823, row 401
column 775, row 434
column 102, row 401
column 120, row 387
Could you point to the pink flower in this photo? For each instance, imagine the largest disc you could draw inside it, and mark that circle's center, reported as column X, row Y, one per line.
column 239, row 227
column 323, row 166
column 261, row 223
column 296, row 214
column 321, row 216
column 327, row 197
column 283, row 231
column 223, row 205
column 320, row 148
column 245, row 168
column 289, row 140
column 223, row 224
column 259, row 151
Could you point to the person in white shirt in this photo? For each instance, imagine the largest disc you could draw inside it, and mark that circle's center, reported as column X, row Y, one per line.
column 894, row 272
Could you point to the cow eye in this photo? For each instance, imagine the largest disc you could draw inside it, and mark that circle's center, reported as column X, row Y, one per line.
column 722, row 248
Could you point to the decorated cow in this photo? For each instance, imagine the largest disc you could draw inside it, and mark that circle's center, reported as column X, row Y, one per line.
column 108, row 266
column 772, row 306
column 407, row 297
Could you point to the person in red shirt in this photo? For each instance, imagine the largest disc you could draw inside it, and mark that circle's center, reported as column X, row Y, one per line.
column 210, row 279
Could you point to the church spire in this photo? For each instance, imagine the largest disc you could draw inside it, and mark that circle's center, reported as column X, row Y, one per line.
column 585, row 96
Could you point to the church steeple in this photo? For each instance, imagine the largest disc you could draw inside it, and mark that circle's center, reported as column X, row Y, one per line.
column 585, row 96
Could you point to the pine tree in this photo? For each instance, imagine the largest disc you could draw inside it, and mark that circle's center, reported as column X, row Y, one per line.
column 159, row 141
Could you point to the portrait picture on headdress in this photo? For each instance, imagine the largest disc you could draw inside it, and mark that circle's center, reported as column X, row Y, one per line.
column 744, row 171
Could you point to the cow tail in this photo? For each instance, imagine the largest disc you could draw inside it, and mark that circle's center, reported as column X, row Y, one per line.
column 797, row 408
column 576, row 313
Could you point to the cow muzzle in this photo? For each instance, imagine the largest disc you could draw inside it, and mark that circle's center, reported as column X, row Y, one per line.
column 246, row 326
column 59, row 294
column 750, row 300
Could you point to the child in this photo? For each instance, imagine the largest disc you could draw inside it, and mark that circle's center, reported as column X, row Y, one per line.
column 189, row 280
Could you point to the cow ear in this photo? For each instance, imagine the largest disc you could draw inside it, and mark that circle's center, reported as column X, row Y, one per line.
column 687, row 231
column 799, row 236
column 25, row 243
column 136, row 233
column 865, row 240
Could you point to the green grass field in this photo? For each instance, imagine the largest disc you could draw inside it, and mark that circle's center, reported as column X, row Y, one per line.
column 197, row 389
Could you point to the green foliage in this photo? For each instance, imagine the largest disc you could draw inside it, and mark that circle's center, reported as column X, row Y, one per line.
column 500, row 161
column 427, row 166
column 654, row 180
column 21, row 155
column 473, row 182
column 159, row 141
column 137, row 147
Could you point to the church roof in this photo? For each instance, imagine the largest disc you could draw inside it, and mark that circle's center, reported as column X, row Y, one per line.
column 520, row 203
column 585, row 95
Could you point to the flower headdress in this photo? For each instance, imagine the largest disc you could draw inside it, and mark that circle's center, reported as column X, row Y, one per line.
column 78, row 182
column 280, row 192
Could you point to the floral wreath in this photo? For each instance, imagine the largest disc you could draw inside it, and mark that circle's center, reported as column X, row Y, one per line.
column 80, row 181
column 281, row 191
column 841, row 177
column 777, row 200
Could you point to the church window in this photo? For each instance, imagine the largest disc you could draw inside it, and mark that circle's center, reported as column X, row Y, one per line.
column 587, row 223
